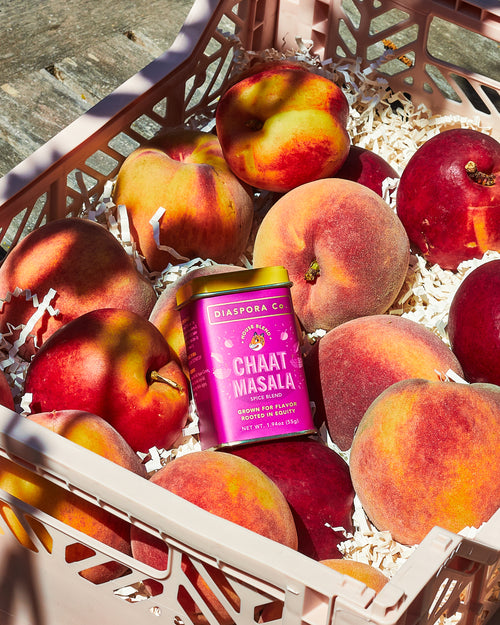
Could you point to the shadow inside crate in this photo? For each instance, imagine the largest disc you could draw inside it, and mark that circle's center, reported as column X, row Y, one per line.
column 18, row 578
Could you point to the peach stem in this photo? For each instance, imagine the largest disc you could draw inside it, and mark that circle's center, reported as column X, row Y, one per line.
column 156, row 377
column 487, row 180
column 313, row 271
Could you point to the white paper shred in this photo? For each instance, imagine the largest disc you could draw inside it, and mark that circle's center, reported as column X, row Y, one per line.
column 133, row 593
column 373, row 547
column 172, row 273
column 25, row 403
column 12, row 363
column 40, row 309
column 155, row 224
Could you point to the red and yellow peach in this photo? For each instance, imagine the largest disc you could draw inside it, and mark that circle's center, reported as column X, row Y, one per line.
column 345, row 250
column 283, row 126
column 427, row 453
column 208, row 212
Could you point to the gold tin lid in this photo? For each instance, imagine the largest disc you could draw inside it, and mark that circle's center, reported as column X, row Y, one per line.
column 232, row 281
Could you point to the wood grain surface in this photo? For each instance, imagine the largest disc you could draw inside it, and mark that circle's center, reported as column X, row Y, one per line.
column 59, row 57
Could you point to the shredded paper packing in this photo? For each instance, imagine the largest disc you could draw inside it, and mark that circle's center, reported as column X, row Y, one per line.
column 384, row 122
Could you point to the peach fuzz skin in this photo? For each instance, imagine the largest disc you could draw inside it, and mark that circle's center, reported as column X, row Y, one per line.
column 282, row 127
column 229, row 487
column 92, row 432
column 102, row 362
column 208, row 211
column 353, row 363
column 84, row 263
column 360, row 247
column 427, row 453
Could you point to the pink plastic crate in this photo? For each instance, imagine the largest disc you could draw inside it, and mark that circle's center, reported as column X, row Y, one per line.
column 447, row 573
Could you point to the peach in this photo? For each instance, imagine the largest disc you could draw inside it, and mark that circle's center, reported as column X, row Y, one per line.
column 117, row 365
column 427, row 453
column 208, row 212
column 229, row 487
column 283, row 126
column 85, row 265
column 352, row 364
column 167, row 318
column 345, row 250
column 366, row 573
column 95, row 434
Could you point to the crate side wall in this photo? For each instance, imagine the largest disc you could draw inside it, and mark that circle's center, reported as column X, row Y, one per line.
column 58, row 181
column 248, row 573
column 408, row 31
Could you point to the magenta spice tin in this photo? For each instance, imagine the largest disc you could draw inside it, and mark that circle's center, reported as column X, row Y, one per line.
column 243, row 351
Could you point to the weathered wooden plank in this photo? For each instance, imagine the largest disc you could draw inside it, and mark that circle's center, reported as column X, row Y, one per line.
column 34, row 35
column 59, row 57
column 104, row 66
column 43, row 102
column 34, row 109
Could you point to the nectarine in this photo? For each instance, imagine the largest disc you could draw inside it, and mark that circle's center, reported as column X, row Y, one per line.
column 85, row 265
column 117, row 365
column 6, row 395
column 316, row 483
column 448, row 198
column 367, row 168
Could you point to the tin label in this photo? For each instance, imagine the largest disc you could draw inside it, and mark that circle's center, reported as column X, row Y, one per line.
column 246, row 368
column 248, row 310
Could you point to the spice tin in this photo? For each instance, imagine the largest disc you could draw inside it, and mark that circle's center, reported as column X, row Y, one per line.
column 243, row 350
